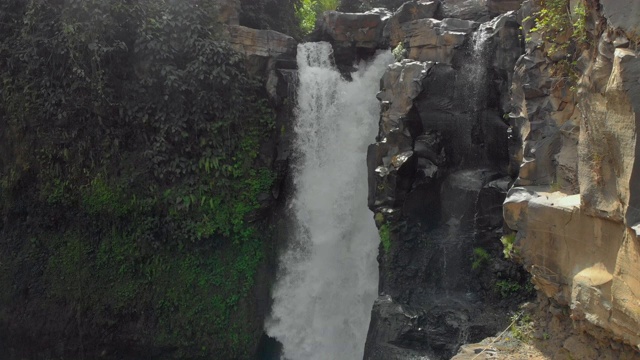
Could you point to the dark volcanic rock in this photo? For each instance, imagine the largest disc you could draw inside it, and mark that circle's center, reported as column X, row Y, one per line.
column 409, row 11
column 438, row 177
column 354, row 36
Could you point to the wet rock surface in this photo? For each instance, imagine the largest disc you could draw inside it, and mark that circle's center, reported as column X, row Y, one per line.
column 437, row 179
column 475, row 115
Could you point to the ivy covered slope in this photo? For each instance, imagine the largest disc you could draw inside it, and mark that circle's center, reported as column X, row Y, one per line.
column 134, row 184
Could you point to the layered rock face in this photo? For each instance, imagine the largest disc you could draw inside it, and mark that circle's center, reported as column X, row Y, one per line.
column 438, row 171
column 475, row 114
column 575, row 204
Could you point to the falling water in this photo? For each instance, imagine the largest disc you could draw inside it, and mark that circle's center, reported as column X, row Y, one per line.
column 477, row 69
column 328, row 279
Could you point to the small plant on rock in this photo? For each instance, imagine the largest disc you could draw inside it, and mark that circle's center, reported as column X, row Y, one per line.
column 385, row 237
column 508, row 241
column 399, row 53
column 480, row 258
column 564, row 29
column 507, row 288
column 522, row 326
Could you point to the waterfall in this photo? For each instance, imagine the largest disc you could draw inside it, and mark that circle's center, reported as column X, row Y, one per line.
column 477, row 67
column 328, row 278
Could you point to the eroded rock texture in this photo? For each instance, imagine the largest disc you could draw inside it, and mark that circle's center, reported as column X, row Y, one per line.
column 472, row 115
column 575, row 202
column 437, row 177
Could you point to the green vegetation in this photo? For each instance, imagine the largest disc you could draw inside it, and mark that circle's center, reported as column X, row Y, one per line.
column 566, row 34
column 480, row 258
column 507, row 288
column 379, row 219
column 555, row 186
column 130, row 158
column 309, row 10
column 508, row 242
column 522, row 327
column 385, row 237
column 399, row 53
column 554, row 19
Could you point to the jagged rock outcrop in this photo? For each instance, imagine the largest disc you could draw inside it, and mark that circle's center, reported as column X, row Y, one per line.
column 621, row 15
column 429, row 30
column 354, row 36
column 575, row 202
column 433, row 40
column 265, row 52
column 408, row 12
column 440, row 161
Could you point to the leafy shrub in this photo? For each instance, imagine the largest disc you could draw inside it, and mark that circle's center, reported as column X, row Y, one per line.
column 399, row 52
column 507, row 288
column 554, row 22
column 522, row 327
column 554, row 18
column 309, row 10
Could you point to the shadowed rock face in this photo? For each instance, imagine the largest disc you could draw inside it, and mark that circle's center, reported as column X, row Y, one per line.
column 447, row 153
column 437, row 180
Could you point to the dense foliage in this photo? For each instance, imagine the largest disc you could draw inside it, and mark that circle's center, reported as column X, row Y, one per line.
column 130, row 175
column 309, row 11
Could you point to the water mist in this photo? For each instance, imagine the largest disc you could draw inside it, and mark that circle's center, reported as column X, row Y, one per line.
column 328, row 277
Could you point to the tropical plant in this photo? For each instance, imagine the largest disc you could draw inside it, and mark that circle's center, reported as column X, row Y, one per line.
column 309, row 10
column 131, row 134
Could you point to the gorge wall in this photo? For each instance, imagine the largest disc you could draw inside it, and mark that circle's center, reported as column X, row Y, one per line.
column 573, row 205
column 480, row 109
column 143, row 158
column 141, row 216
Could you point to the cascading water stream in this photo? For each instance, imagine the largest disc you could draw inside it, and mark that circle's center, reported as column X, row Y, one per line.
column 328, row 278
column 478, row 66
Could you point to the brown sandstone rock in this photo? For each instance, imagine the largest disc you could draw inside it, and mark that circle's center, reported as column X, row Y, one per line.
column 263, row 43
column 262, row 50
column 431, row 39
column 609, row 150
column 588, row 263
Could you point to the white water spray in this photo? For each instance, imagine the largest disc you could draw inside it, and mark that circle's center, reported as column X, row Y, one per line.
column 329, row 277
column 477, row 67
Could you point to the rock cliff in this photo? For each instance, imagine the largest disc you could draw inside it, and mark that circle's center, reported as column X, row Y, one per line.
column 574, row 203
column 479, row 111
